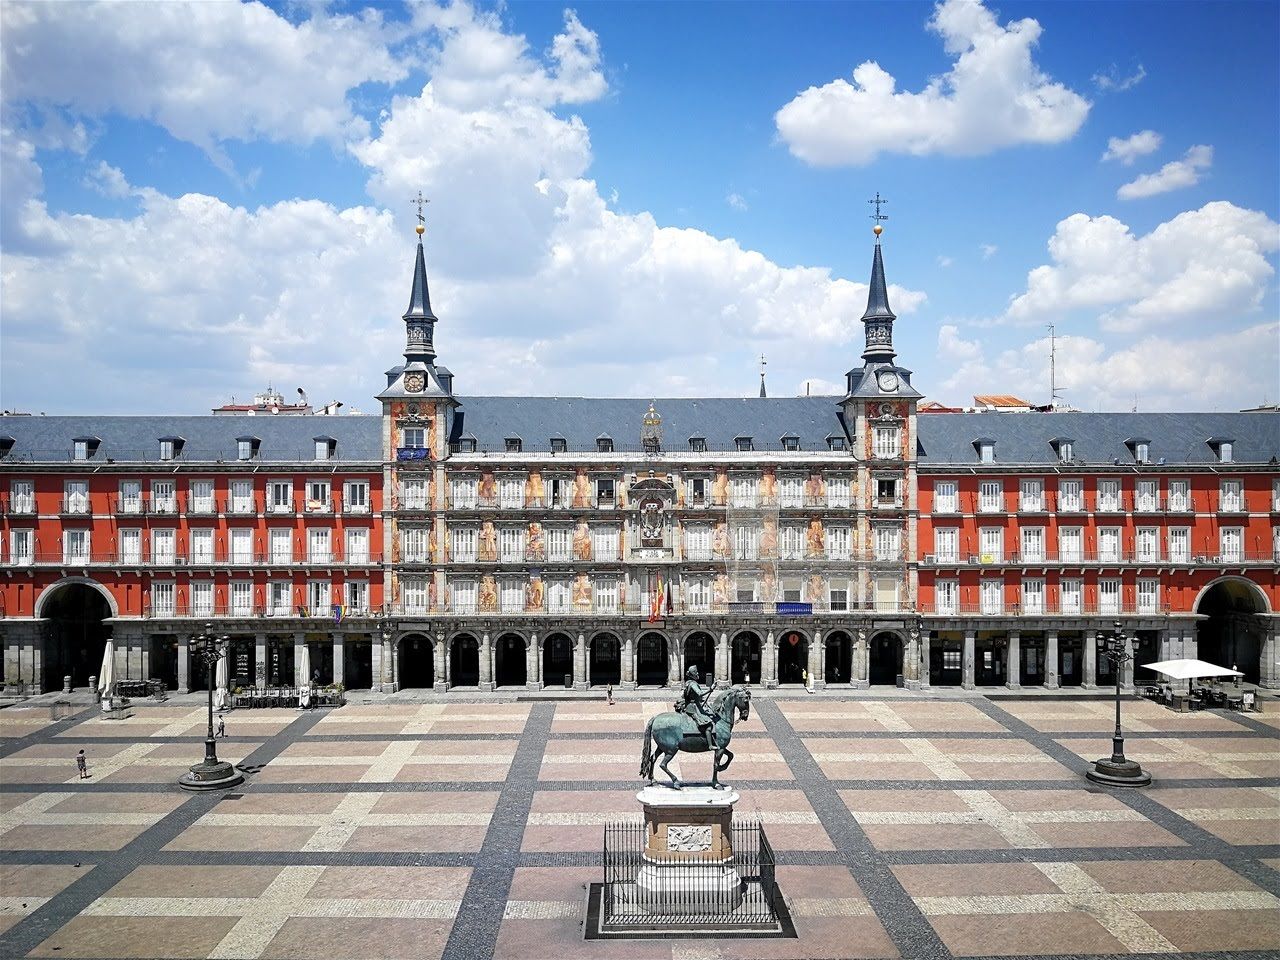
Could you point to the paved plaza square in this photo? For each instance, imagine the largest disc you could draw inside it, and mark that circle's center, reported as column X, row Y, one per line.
column 904, row 827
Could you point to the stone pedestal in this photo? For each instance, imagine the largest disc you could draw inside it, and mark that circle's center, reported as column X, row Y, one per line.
column 688, row 855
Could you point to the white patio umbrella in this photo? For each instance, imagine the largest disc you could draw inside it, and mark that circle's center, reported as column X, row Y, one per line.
column 107, row 674
column 1191, row 669
column 303, row 673
column 220, row 684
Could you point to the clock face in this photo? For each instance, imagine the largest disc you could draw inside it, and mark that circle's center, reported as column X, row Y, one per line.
column 888, row 381
column 414, row 382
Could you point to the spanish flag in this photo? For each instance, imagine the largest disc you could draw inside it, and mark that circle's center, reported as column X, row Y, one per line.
column 657, row 601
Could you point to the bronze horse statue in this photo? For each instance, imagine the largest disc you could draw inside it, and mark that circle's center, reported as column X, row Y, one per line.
column 675, row 732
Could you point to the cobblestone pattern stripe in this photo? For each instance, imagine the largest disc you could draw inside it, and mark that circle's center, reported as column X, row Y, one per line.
column 475, row 929
column 913, row 935
column 113, row 866
column 51, row 732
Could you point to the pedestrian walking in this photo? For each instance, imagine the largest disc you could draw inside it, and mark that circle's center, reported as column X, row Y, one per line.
column 221, row 730
column 82, row 764
column 609, row 694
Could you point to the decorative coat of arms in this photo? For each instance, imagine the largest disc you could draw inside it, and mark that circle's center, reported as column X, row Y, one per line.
column 688, row 839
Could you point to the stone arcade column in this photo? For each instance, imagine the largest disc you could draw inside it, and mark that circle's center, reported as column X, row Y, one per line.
column 911, row 661
column 339, row 658
column 860, row 680
column 722, row 660
column 817, row 661
column 925, row 653
column 1191, row 646
column 184, row 665
column 970, row 640
column 259, row 663
column 376, row 653
column 580, row 662
column 1051, row 660
column 628, row 663
column 486, row 663
column 389, row 666
column 440, row 675
column 299, row 644
column 532, row 661
column 1269, row 667
column 770, row 665
column 1013, row 662
column 1090, row 661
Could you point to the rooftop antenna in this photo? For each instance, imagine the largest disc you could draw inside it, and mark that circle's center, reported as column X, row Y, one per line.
column 1054, row 393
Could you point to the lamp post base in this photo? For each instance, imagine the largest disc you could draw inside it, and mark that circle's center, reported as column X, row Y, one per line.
column 204, row 777
column 1122, row 773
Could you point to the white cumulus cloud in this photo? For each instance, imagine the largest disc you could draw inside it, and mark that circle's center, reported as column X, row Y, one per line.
column 1172, row 176
column 993, row 96
column 1111, row 79
column 1128, row 149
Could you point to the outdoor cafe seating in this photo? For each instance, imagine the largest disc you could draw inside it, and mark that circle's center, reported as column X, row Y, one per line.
column 1219, row 687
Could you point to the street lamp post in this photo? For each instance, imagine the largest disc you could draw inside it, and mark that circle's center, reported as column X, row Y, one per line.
column 211, row 773
column 1116, row 771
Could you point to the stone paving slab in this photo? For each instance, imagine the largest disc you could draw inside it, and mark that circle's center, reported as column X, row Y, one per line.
column 1239, row 815
column 1172, row 757
column 894, row 717
column 1139, row 716
column 147, row 761
column 25, row 887
column 166, row 722
column 865, row 758
column 23, row 721
column 71, row 821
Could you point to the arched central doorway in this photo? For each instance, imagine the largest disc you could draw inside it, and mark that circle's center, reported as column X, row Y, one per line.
column 793, row 657
column 744, row 658
column 76, row 634
column 464, row 662
column 1233, row 633
column 606, row 661
column 510, row 663
column 651, row 660
column 417, row 662
column 839, row 662
column 886, row 659
column 700, row 652
column 557, row 660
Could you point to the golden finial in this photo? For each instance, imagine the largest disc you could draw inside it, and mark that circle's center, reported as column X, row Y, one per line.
column 652, row 417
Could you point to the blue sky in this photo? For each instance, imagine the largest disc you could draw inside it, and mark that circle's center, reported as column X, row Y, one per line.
column 639, row 199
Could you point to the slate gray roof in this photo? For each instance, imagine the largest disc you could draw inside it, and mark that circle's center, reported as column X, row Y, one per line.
column 206, row 438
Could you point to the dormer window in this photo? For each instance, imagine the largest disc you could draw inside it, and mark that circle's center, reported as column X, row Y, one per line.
column 325, row 447
column 514, row 445
column 986, row 448
column 1222, row 448
column 1140, row 447
column 743, row 444
column 170, row 447
column 247, row 448
column 604, row 444
column 791, row 442
column 1064, row 447
column 697, row 444
column 558, row 445
column 83, row 448
column 465, row 444
column 6, row 446
column 835, row 442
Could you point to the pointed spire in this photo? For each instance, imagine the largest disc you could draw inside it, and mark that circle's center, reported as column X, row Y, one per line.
column 419, row 321
column 878, row 317
column 878, row 293
column 763, row 394
column 420, row 296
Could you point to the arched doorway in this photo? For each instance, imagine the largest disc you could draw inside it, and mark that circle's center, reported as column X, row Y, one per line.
column 557, row 660
column 651, row 661
column 76, row 634
column 886, row 659
column 510, row 663
column 417, row 662
column 1233, row 633
column 464, row 662
column 793, row 657
column 839, row 661
column 744, row 658
column 700, row 652
column 605, row 666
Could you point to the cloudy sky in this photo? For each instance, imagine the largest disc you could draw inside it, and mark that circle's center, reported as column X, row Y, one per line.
column 639, row 200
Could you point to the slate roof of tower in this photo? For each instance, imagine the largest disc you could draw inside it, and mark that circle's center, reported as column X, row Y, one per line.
column 420, row 295
column 878, row 291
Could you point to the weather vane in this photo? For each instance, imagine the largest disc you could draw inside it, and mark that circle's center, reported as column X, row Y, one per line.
column 420, row 200
column 877, row 203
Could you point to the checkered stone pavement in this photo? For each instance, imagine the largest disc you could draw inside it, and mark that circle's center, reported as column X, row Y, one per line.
column 903, row 826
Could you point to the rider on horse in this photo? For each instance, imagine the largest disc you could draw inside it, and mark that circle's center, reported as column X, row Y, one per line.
column 693, row 704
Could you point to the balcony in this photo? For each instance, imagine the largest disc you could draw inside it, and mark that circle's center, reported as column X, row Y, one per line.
column 1098, row 557
column 26, row 506
column 280, row 508
column 161, row 506
column 243, row 506
column 194, row 506
column 356, row 509
column 74, row 507
column 318, row 506
column 127, row 506
column 1051, row 609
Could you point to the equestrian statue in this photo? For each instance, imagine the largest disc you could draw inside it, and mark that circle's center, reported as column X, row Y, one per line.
column 700, row 722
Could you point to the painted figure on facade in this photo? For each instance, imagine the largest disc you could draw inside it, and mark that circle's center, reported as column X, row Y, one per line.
column 581, row 489
column 488, row 541
column 813, row 488
column 536, row 547
column 768, row 586
column 769, row 539
column 671, row 732
column 488, row 601
column 720, row 592
column 429, row 414
column 720, row 541
column 693, row 704
column 533, row 595
column 582, row 592
column 720, row 489
column 432, row 596
column 582, row 541
column 431, row 546
column 768, row 486
column 534, row 494
column 815, row 542
column 488, row 490
column 817, row 589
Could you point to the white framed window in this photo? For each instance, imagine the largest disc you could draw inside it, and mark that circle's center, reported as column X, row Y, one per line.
column 76, row 496
column 946, row 596
column 946, row 544
column 462, row 493
column 202, row 599
column 990, row 545
column 279, row 598
column 1148, row 596
column 887, row 593
column 1180, row 496
column 1231, row 541
column 696, row 491
column 1031, row 495
column 22, row 496
column 945, row 497
column 838, row 598
column 1070, row 496
column 241, row 546
column 163, row 598
column 1032, row 547
column 1109, row 544
column 510, row 595
column 167, row 449
column 1148, row 496
column 885, row 444
column 244, row 449
column 605, row 492
column 1033, row 596
column 1109, row 596
column 792, row 541
column 559, row 543
column 838, row 492
column 605, row 591
column 742, row 491
column 319, row 545
column 163, row 547
column 698, row 594
column 416, row 495
column 130, row 496
column 357, row 545
column 510, row 544
column 1142, row 452
column 280, row 496
column 991, row 596
column 202, row 546
column 462, row 544
column 241, row 598
column 164, row 496
column 1072, row 592
column 791, row 491
column 1275, row 496
column 21, row 547
column 1066, row 451
column 746, row 540
column 415, row 544
column 318, row 496
column 990, row 496
column 416, row 594
column 1109, row 496
column 604, row 543
column 559, row 596
column 1147, row 543
column 1070, row 544
column 697, row 541
column 1180, row 544
column 463, row 595
column 414, row 438
column 324, row 449
column 1275, row 544
column 887, row 492
column 1225, row 451
column 1231, row 496
column 242, row 496
column 201, row 496
column 355, row 594
column 81, row 449
column 888, row 543
column 511, row 493
column 355, row 496
column 987, row 452
column 838, row 541
column 281, row 540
